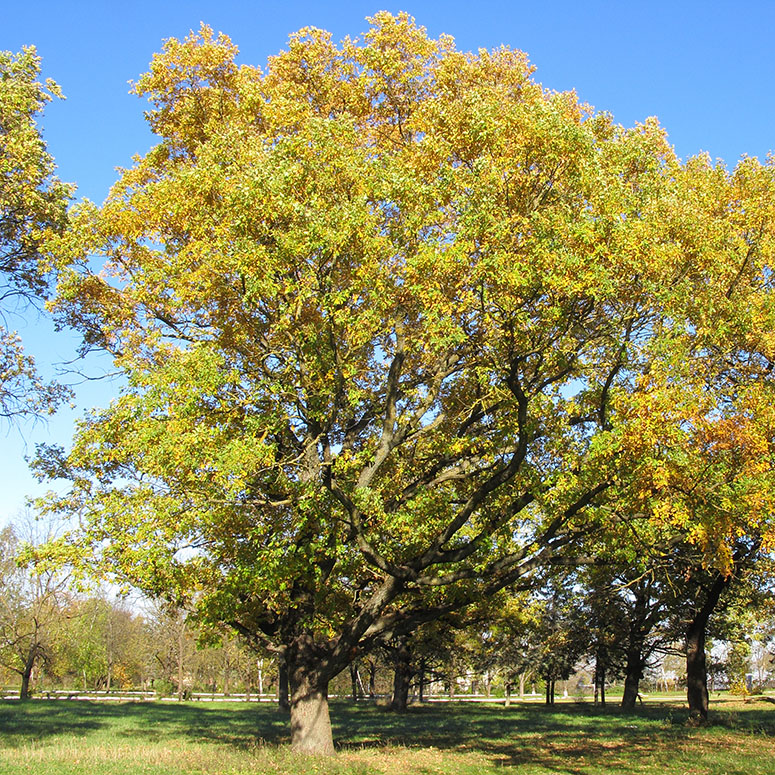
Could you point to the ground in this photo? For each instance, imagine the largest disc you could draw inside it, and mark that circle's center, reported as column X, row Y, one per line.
column 80, row 738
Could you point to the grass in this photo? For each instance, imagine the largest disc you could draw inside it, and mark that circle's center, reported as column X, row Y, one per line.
column 76, row 738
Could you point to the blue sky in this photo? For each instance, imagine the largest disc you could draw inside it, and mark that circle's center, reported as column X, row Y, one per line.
column 706, row 69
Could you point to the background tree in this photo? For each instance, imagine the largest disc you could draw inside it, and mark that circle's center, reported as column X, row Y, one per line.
column 101, row 644
column 395, row 322
column 31, row 604
column 32, row 200
column 561, row 635
column 173, row 649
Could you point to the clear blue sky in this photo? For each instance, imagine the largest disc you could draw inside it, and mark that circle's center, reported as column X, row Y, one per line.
column 706, row 69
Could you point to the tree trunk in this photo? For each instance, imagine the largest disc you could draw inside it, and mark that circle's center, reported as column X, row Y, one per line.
column 696, row 670
column 283, row 698
column 421, row 681
column 226, row 679
column 599, row 677
column 310, row 722
column 354, row 682
column 634, row 673
column 24, row 692
column 696, row 667
column 181, row 643
column 402, row 676
column 372, row 679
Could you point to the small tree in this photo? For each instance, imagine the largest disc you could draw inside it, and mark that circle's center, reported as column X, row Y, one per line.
column 30, row 611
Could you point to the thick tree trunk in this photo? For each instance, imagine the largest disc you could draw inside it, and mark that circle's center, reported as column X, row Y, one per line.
column 696, row 667
column 633, row 675
column 696, row 670
column 310, row 721
column 402, row 676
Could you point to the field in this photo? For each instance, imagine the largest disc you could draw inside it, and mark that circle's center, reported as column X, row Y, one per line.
column 90, row 738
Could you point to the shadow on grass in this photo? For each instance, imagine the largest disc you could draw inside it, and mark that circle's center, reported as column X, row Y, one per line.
column 240, row 726
column 567, row 739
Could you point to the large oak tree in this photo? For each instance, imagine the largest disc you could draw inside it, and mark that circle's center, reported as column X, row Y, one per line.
column 393, row 319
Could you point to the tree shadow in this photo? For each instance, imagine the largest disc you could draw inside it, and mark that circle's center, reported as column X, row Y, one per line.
column 567, row 739
column 239, row 726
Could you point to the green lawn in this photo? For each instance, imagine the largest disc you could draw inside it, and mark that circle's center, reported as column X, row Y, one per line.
column 69, row 738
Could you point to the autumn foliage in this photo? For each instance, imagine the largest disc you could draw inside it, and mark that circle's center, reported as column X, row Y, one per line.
column 400, row 326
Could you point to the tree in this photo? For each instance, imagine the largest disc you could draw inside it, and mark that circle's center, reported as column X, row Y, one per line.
column 101, row 643
column 32, row 200
column 173, row 648
column 393, row 320
column 30, row 609
column 560, row 635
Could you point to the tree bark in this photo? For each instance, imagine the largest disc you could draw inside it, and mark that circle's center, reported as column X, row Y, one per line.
column 550, row 684
column 696, row 670
column 696, row 667
column 354, row 681
column 283, row 697
column 226, row 679
column 596, row 677
column 633, row 675
column 402, row 676
column 310, row 721
column 24, row 692
column 181, row 644
column 372, row 679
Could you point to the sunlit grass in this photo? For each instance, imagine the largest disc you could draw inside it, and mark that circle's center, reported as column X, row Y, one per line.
column 76, row 738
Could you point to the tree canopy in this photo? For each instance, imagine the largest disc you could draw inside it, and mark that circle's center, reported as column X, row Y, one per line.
column 32, row 200
column 399, row 326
